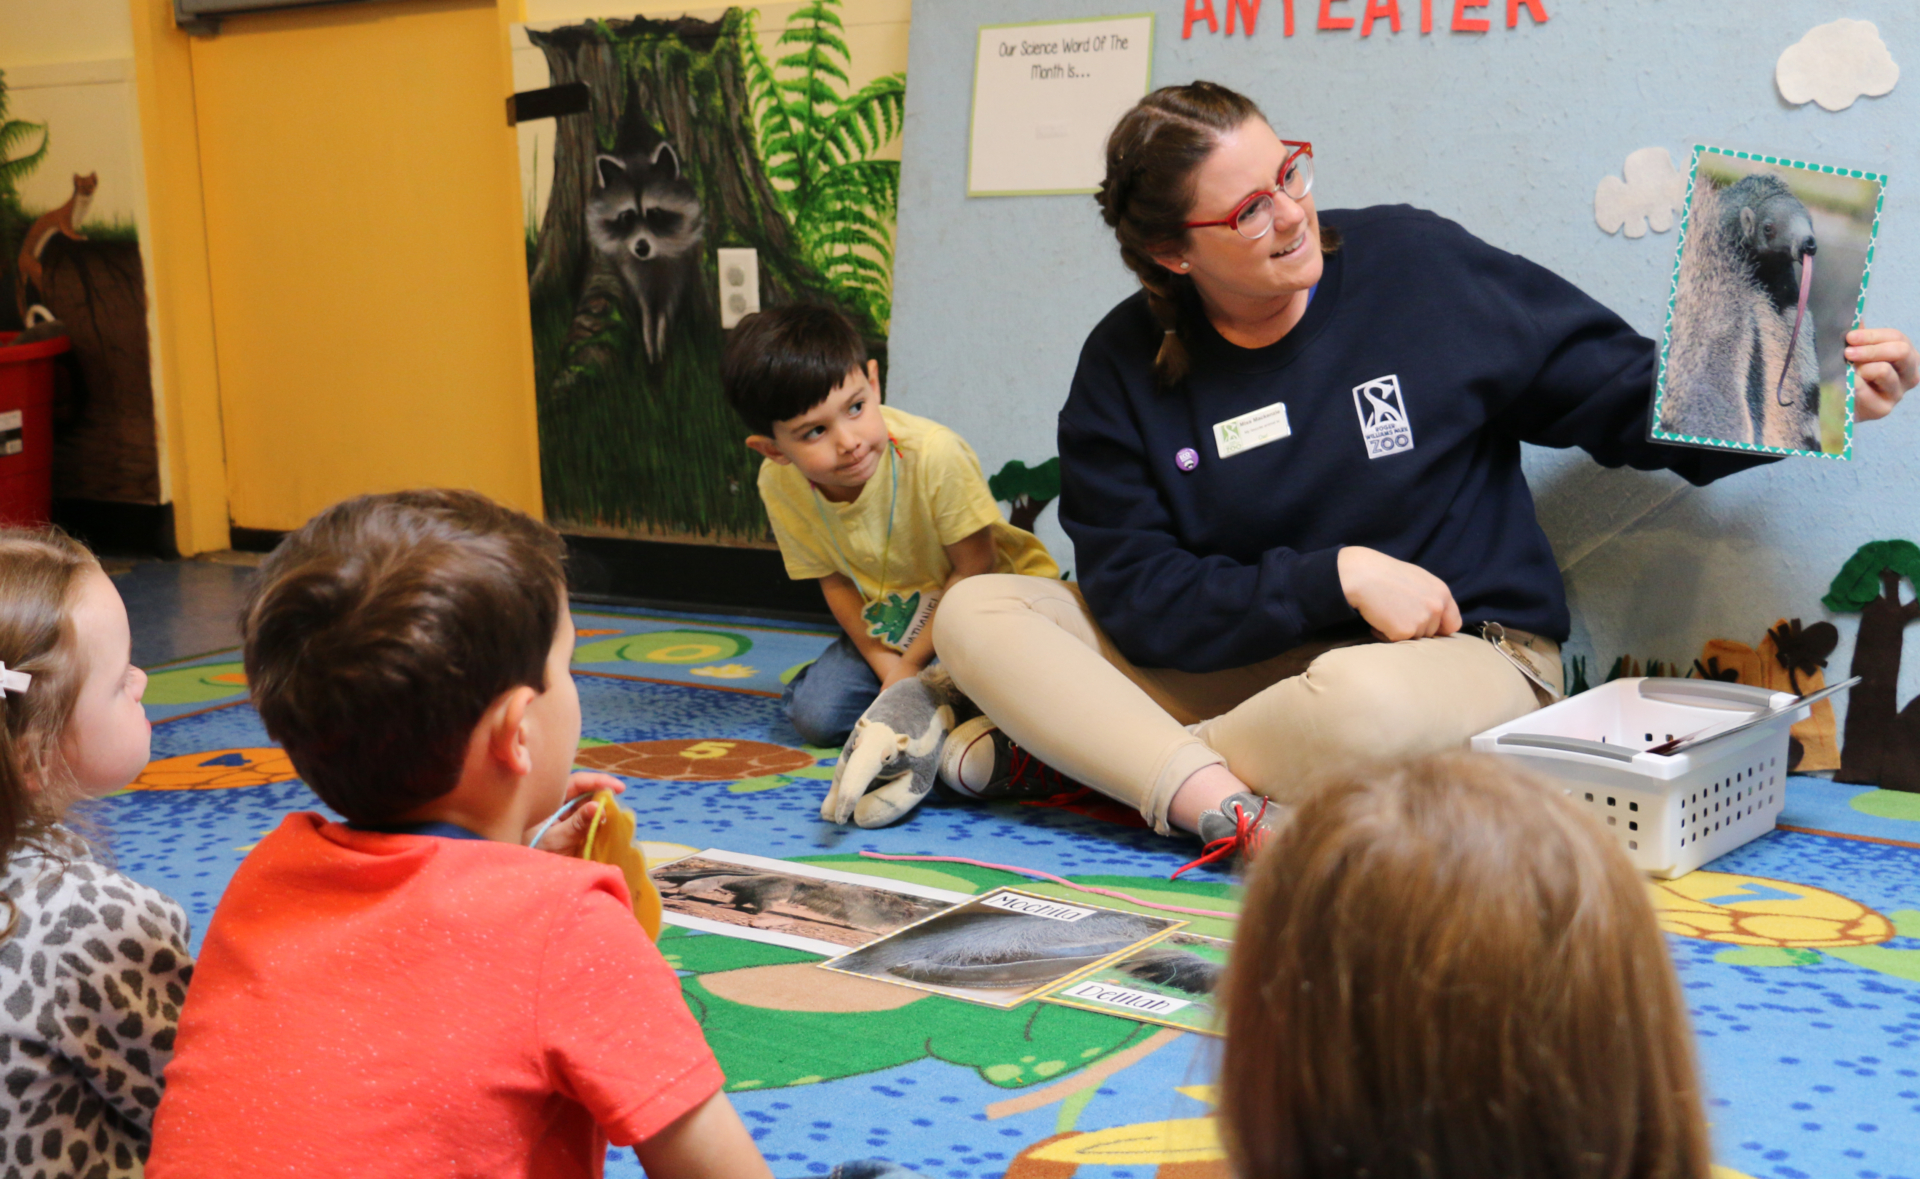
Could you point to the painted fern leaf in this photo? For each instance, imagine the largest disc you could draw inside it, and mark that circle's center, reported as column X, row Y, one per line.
column 817, row 144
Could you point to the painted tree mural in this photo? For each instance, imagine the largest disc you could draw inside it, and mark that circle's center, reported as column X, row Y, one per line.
column 1882, row 744
column 105, row 447
column 818, row 146
column 693, row 141
column 14, row 135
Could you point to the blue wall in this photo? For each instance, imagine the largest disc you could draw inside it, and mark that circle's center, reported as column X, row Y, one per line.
column 1507, row 132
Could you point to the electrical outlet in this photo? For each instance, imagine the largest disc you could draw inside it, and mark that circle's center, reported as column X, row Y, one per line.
column 739, row 285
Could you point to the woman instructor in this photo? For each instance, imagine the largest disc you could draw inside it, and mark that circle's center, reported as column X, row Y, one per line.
column 1291, row 472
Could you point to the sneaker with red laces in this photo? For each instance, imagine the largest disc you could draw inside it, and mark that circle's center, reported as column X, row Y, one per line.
column 1238, row 827
column 979, row 761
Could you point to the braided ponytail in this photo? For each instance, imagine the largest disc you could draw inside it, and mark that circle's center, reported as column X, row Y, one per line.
column 1153, row 155
column 1164, row 291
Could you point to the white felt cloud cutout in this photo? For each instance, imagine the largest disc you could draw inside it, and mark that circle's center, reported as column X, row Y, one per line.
column 1649, row 196
column 1836, row 63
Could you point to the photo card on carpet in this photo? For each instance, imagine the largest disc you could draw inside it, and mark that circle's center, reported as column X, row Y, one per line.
column 1170, row 982
column 781, row 903
column 1770, row 275
column 1003, row 948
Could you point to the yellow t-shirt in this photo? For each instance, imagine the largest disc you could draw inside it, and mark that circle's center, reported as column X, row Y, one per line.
column 942, row 499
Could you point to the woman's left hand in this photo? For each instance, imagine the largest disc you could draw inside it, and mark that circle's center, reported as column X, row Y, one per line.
column 1887, row 366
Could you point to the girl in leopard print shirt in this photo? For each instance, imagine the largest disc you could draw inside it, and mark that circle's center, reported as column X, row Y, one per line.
column 93, row 966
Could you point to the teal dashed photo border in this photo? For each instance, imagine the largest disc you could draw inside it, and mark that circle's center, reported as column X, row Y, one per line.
column 1673, row 293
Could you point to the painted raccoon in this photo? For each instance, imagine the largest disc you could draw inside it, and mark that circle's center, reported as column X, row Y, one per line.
column 645, row 217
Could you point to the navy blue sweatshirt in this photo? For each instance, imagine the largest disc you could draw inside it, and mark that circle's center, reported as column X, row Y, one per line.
column 1424, row 360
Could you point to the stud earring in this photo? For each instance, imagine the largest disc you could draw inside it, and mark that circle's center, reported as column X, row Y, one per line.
column 1184, row 265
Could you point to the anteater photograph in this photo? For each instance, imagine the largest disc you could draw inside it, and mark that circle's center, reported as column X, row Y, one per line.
column 1772, row 274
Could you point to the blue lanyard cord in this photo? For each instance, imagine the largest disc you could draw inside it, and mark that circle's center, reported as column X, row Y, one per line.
column 566, row 808
column 886, row 552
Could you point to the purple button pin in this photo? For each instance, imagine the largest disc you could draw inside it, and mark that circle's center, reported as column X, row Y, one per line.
column 1187, row 458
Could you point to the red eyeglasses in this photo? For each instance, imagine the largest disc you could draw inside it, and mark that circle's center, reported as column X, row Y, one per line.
column 1253, row 217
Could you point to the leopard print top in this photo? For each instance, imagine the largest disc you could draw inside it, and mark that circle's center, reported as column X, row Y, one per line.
column 91, row 982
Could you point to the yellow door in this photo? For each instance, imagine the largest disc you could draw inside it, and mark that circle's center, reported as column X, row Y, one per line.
column 364, row 255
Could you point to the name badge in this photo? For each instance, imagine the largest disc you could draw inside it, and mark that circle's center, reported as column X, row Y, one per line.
column 897, row 621
column 1237, row 435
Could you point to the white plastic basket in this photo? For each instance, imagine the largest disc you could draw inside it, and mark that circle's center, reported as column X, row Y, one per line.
column 1672, row 813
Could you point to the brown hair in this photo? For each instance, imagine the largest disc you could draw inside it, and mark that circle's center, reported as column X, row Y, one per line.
column 40, row 572
column 1448, row 971
column 1153, row 155
column 779, row 364
column 379, row 633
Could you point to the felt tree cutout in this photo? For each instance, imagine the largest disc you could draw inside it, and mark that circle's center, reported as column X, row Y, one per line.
column 1574, row 672
column 1711, row 670
column 1026, row 490
column 1791, row 658
column 1882, row 742
column 1803, row 650
column 1627, row 667
column 1800, row 654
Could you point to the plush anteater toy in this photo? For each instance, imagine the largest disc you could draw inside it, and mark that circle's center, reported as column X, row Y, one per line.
column 893, row 756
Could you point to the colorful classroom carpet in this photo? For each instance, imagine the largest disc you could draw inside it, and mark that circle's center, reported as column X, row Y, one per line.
column 1800, row 952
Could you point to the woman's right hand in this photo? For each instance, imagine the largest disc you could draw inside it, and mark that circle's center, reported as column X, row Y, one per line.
column 1399, row 600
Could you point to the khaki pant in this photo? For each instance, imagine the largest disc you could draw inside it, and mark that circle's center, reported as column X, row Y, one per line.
column 1029, row 653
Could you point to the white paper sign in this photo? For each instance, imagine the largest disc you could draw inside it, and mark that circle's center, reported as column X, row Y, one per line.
column 1045, row 97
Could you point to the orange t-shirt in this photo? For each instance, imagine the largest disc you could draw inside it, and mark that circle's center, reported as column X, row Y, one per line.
column 409, row 1005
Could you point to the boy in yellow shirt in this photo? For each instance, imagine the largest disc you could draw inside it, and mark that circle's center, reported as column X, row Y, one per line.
column 887, row 509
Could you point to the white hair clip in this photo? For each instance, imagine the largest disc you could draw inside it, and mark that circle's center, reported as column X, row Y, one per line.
column 13, row 681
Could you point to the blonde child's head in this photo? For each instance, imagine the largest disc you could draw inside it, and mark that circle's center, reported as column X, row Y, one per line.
column 1446, row 970
column 77, row 729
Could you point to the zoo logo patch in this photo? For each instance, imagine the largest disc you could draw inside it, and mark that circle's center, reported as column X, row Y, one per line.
column 1383, row 416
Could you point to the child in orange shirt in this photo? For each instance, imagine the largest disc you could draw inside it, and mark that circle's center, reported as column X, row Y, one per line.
column 414, row 991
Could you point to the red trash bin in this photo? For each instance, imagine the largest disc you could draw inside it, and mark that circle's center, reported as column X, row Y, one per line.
column 26, row 429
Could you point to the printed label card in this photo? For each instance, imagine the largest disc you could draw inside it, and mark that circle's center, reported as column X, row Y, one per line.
column 1770, row 276
column 1170, row 982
